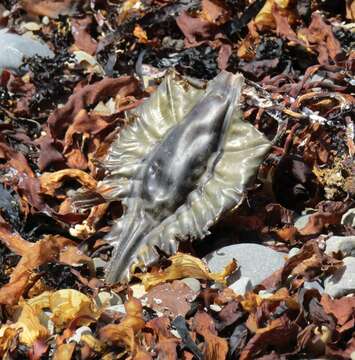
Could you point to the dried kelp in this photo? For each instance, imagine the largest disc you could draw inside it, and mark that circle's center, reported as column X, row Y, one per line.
column 58, row 119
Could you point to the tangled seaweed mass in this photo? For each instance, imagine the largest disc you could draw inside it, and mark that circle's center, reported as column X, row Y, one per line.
column 177, row 179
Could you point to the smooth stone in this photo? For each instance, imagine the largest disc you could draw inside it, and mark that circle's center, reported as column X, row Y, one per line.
column 345, row 244
column 105, row 298
column 349, row 218
column 302, row 221
column 256, row 262
column 313, row 285
column 342, row 282
column 15, row 47
column 192, row 283
column 242, row 286
column 293, row 251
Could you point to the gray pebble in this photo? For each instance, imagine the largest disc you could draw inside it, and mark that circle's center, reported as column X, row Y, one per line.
column 294, row 251
column 302, row 221
column 192, row 283
column 313, row 285
column 345, row 244
column 349, row 218
column 15, row 47
column 342, row 282
column 255, row 261
column 242, row 286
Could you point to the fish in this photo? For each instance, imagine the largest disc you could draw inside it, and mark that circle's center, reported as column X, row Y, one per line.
column 185, row 158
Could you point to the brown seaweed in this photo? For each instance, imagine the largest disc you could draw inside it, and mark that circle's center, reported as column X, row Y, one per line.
column 186, row 158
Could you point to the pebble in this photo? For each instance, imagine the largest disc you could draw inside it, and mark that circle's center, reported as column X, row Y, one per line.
column 192, row 283
column 242, row 286
column 302, row 221
column 45, row 20
column 106, row 298
column 342, row 282
column 256, row 262
column 345, row 244
column 293, row 251
column 349, row 218
column 15, row 47
column 313, row 285
column 172, row 299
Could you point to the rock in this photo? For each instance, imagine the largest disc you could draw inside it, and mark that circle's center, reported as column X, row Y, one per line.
column 302, row 221
column 192, row 283
column 293, row 252
column 105, row 298
column 242, row 286
column 342, row 282
column 15, row 47
column 345, row 244
column 255, row 262
column 349, row 218
column 313, row 285
column 171, row 299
